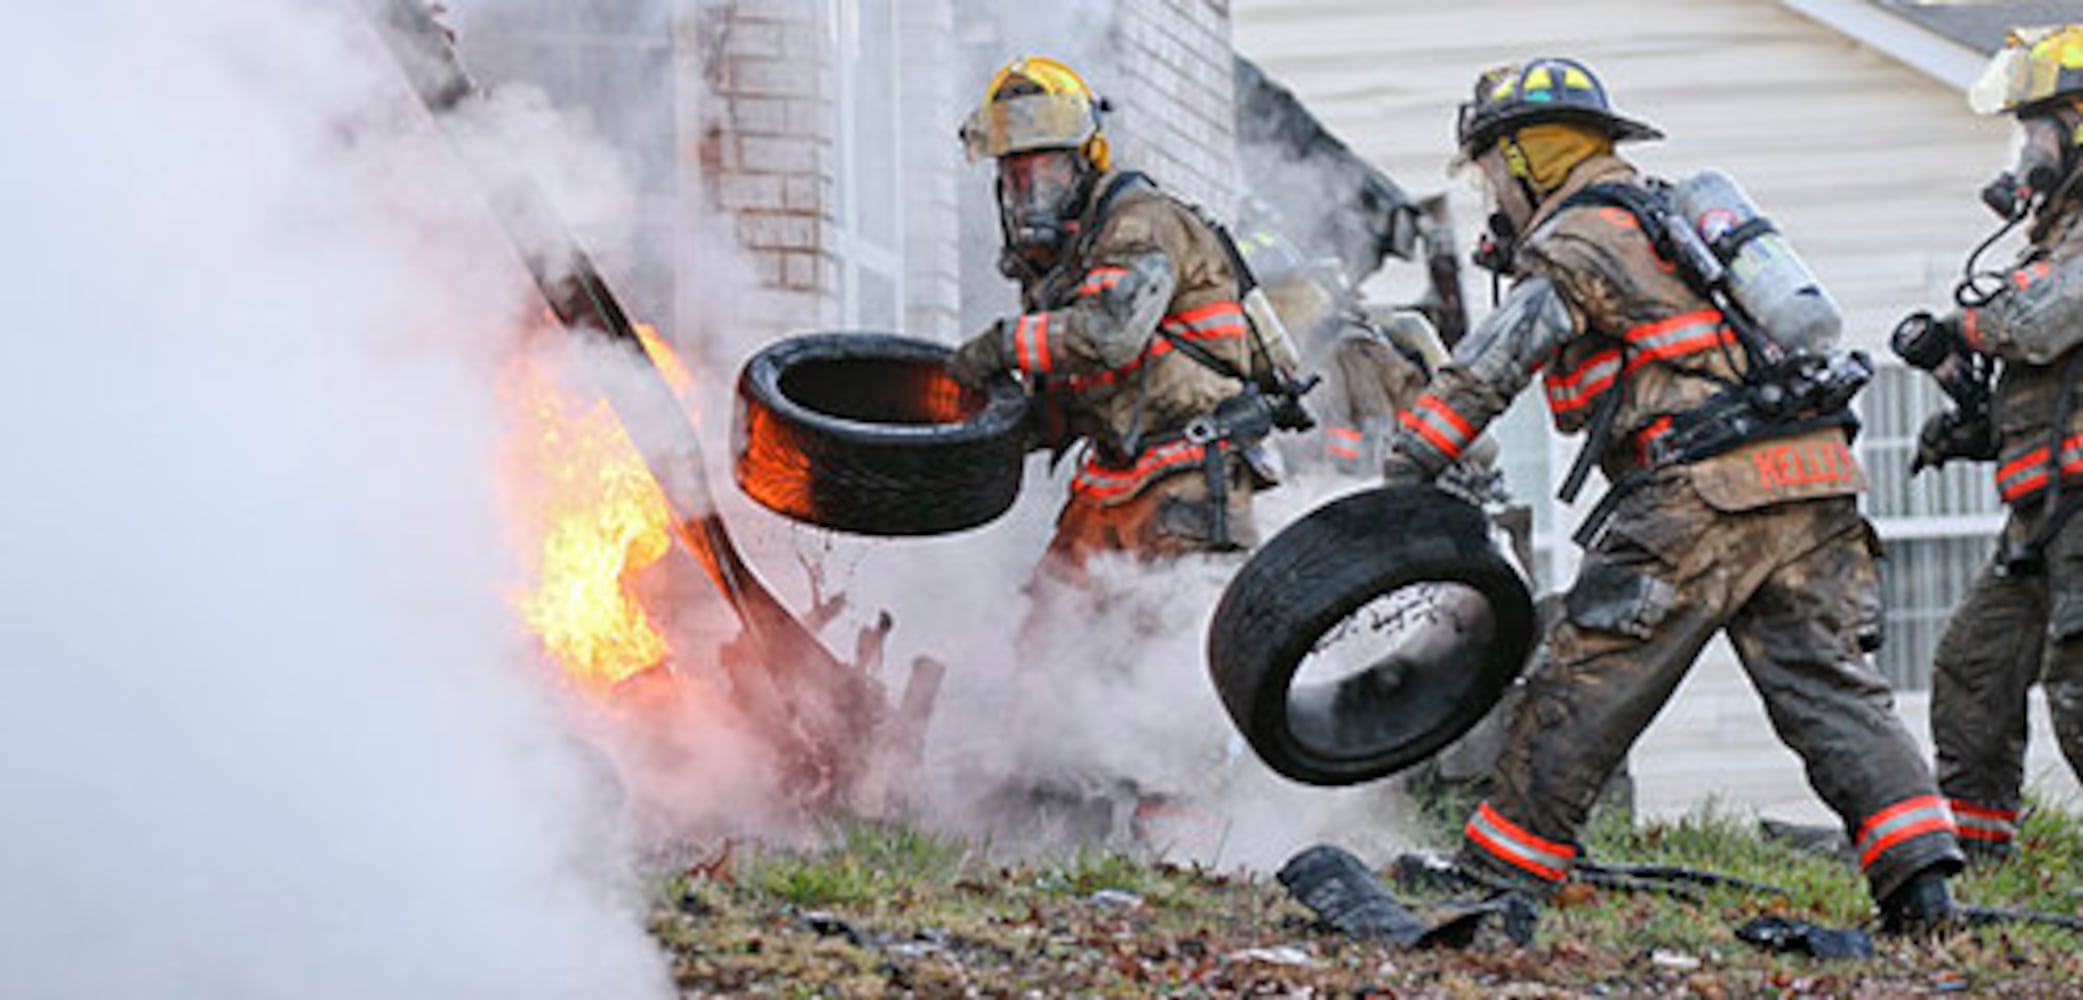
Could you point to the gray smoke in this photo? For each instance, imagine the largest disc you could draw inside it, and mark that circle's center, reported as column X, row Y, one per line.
column 270, row 729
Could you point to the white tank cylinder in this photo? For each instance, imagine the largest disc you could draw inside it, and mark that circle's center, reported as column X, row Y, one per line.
column 1765, row 276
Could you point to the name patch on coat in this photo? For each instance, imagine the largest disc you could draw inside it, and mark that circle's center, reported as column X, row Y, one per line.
column 1816, row 464
column 1795, row 464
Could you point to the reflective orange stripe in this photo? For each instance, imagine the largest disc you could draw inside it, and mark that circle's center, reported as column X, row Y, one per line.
column 1436, row 422
column 1513, row 844
column 2027, row 474
column 1645, row 441
column 1222, row 319
column 1031, row 343
column 1666, row 339
column 1218, row 309
column 1099, row 279
column 1904, row 821
column 1101, row 483
column 1342, row 442
column 2037, row 456
column 1217, row 320
column 1619, row 217
column 1678, row 336
column 1578, row 388
column 1982, row 823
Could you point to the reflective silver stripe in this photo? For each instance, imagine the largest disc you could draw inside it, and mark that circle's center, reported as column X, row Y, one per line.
column 1903, row 821
column 1584, row 384
column 1660, row 344
column 1221, row 315
column 1983, row 823
column 1502, row 838
column 1447, row 431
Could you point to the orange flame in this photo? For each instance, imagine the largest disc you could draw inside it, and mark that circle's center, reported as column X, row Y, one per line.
column 594, row 519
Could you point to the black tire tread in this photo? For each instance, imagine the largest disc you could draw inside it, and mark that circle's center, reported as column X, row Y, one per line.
column 1322, row 568
column 859, row 477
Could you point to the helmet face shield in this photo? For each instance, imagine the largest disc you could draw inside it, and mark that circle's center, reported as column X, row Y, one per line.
column 2036, row 65
column 2008, row 74
column 1038, row 194
column 1028, row 122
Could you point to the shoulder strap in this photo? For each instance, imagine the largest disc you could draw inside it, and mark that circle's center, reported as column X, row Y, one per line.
column 1096, row 216
column 1128, row 180
column 1651, row 207
column 1641, row 199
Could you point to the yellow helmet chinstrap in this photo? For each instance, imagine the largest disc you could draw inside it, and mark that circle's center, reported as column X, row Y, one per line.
column 1036, row 102
column 2035, row 66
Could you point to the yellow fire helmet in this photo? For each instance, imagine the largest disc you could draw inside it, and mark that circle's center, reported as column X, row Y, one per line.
column 2036, row 65
column 1036, row 102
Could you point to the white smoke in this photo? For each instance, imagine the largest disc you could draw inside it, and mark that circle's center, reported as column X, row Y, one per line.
column 269, row 729
column 1123, row 692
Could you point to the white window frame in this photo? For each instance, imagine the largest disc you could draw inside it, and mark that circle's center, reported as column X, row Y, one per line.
column 857, row 254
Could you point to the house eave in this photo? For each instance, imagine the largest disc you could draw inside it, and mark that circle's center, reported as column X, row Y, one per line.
column 1903, row 40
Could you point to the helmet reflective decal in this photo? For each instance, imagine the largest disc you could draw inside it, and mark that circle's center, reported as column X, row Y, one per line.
column 1543, row 90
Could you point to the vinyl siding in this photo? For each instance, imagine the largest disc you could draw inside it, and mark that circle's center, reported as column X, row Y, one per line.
column 1870, row 166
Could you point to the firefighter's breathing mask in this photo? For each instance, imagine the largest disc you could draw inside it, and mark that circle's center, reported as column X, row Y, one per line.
column 1511, row 210
column 2044, row 170
column 2046, row 155
column 1040, row 193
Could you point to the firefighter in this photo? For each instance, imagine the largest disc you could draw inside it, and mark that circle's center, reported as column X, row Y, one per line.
column 1375, row 370
column 1134, row 342
column 1133, row 333
column 2022, row 619
column 1762, row 539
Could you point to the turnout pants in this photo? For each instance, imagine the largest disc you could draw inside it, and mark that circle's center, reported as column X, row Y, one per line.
column 1171, row 517
column 2013, row 629
column 1795, row 587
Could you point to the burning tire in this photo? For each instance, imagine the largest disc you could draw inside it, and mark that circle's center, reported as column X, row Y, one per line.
column 867, row 433
column 1369, row 634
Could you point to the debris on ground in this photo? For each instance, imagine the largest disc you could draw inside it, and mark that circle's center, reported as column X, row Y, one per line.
column 1787, row 936
column 1349, row 897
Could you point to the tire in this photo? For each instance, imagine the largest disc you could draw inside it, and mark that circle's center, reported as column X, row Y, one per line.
column 868, row 433
column 1470, row 629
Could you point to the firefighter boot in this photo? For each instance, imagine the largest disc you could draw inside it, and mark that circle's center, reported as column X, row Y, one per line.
column 1921, row 906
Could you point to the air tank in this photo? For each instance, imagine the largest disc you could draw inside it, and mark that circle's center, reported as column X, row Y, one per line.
column 1764, row 274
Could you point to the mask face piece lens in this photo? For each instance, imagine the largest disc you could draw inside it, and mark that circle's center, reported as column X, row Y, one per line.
column 1037, row 197
column 1044, row 177
column 2039, row 166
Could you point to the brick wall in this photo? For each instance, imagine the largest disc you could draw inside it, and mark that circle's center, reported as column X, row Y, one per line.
column 1164, row 64
column 757, row 113
column 767, row 156
column 1174, row 97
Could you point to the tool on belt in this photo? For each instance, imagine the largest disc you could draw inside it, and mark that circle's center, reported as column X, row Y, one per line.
column 1803, row 393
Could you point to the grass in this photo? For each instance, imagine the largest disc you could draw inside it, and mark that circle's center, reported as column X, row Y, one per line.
column 891, row 910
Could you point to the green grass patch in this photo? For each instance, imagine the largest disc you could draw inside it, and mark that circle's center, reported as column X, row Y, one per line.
column 923, row 914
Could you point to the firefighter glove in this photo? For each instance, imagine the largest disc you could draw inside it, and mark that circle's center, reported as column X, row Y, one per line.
column 1950, row 434
column 981, row 356
column 1474, row 482
column 1405, row 465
